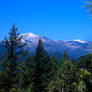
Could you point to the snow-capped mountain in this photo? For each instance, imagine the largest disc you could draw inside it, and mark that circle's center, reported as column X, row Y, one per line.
column 75, row 48
column 80, row 41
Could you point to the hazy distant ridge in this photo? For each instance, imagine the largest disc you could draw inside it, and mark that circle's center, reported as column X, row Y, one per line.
column 75, row 48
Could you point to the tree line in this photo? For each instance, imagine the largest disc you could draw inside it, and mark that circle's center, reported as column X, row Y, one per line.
column 22, row 72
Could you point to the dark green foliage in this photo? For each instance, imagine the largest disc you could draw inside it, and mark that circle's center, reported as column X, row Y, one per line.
column 40, row 68
column 4, row 78
column 66, row 75
column 85, row 62
column 24, row 75
column 14, row 52
column 53, row 67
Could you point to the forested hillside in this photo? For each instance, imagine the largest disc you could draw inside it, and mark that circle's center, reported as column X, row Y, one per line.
column 22, row 72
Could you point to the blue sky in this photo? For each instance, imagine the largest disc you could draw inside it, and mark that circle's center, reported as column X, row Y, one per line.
column 55, row 19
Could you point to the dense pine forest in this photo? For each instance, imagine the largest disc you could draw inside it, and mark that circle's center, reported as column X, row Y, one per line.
column 22, row 72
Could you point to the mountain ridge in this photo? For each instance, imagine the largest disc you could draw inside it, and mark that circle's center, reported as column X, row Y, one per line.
column 75, row 48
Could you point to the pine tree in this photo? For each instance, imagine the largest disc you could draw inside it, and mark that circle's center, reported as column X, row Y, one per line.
column 40, row 68
column 66, row 76
column 26, row 74
column 52, row 69
column 4, row 78
column 14, row 55
column 64, row 58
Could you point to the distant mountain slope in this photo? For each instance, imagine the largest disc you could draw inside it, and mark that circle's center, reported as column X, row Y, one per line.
column 75, row 48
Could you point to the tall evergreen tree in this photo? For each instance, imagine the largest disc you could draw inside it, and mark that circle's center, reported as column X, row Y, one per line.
column 40, row 69
column 14, row 55
column 53, row 67
column 26, row 74
column 4, row 78
column 66, row 75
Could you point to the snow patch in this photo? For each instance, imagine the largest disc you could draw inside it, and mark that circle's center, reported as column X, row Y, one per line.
column 80, row 41
column 29, row 35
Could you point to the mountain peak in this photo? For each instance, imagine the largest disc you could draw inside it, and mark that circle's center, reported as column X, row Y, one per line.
column 30, row 35
column 80, row 41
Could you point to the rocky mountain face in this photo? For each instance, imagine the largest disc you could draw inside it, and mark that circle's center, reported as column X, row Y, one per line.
column 74, row 48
